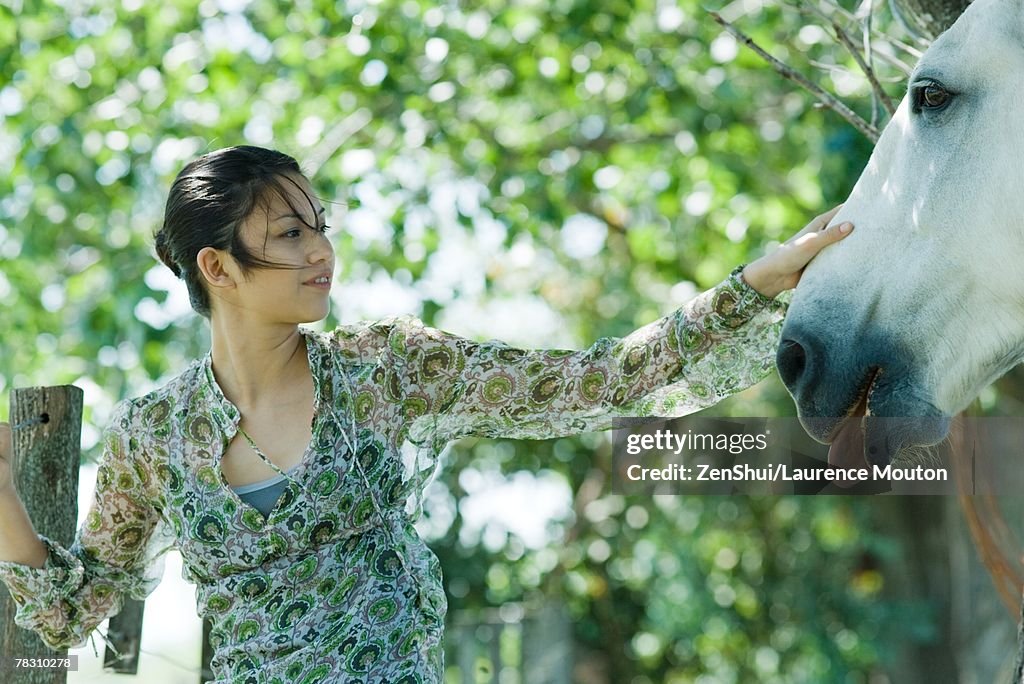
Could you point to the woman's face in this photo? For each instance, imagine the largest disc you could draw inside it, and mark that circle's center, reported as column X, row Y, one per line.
column 291, row 236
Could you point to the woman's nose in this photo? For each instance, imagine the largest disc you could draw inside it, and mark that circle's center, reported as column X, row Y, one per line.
column 321, row 251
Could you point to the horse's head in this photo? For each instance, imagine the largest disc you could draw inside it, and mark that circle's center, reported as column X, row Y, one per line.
column 923, row 305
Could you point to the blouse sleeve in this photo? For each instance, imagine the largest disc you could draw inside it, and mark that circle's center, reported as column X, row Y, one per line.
column 117, row 551
column 719, row 343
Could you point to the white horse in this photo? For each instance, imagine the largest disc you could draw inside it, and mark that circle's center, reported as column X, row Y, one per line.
column 923, row 306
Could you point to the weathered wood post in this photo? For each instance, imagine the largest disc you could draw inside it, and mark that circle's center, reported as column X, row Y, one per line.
column 124, row 631
column 547, row 645
column 45, row 472
column 205, row 671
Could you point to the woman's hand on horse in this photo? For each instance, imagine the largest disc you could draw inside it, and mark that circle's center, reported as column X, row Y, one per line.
column 781, row 270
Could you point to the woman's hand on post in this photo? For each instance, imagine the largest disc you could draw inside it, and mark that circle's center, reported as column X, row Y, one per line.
column 19, row 542
column 781, row 270
column 6, row 456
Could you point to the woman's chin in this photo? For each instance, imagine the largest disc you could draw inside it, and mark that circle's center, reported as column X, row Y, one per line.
column 317, row 313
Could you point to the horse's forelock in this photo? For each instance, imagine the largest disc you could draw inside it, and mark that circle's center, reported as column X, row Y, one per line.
column 982, row 16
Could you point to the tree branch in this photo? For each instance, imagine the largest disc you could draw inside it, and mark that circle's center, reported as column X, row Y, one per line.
column 906, row 47
column 335, row 138
column 827, row 99
column 866, row 39
column 865, row 66
column 868, row 71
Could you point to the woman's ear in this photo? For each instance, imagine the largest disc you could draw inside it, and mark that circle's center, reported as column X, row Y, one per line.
column 217, row 267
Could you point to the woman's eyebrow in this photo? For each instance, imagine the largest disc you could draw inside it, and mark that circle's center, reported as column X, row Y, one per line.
column 322, row 210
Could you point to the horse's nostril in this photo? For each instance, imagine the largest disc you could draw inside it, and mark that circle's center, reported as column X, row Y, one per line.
column 791, row 360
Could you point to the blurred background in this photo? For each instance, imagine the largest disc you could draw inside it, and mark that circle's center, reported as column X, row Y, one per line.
column 545, row 172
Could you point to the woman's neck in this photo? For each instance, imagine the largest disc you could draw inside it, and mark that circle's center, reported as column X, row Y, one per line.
column 256, row 364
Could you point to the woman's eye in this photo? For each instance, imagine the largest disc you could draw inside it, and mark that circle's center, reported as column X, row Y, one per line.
column 297, row 232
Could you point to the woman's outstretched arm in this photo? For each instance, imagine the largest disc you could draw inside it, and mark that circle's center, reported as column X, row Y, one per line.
column 719, row 343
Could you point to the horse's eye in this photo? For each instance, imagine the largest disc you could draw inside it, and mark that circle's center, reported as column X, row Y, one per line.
column 934, row 96
column 931, row 96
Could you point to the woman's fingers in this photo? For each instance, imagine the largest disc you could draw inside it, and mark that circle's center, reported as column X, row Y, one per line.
column 821, row 221
column 815, row 241
column 817, row 224
column 835, row 232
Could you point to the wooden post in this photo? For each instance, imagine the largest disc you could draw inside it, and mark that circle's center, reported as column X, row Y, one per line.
column 47, row 453
column 1018, row 669
column 547, row 646
column 124, row 631
column 467, row 653
column 206, row 672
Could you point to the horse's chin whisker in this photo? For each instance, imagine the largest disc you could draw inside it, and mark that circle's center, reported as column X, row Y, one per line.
column 925, row 456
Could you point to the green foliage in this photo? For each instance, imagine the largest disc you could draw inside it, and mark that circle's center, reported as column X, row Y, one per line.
column 485, row 126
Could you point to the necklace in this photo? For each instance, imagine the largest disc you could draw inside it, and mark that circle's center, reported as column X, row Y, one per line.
column 259, row 453
column 293, row 484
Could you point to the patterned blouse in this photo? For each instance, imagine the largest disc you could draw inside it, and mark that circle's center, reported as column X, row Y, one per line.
column 335, row 584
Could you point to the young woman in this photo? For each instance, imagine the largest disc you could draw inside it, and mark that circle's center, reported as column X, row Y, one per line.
column 287, row 466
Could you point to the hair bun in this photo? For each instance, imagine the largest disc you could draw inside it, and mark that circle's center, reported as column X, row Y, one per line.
column 163, row 251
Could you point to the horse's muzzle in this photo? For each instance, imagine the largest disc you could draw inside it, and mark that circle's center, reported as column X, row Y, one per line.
column 836, row 378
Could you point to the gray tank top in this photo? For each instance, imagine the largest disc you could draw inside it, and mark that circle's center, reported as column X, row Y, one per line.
column 263, row 495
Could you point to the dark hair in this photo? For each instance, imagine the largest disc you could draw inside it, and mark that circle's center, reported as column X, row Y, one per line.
column 207, row 204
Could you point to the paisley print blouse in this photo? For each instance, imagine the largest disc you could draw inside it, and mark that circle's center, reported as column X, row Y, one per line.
column 335, row 584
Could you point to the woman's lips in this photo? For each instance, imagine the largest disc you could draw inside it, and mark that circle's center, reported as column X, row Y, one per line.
column 325, row 285
column 320, row 286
